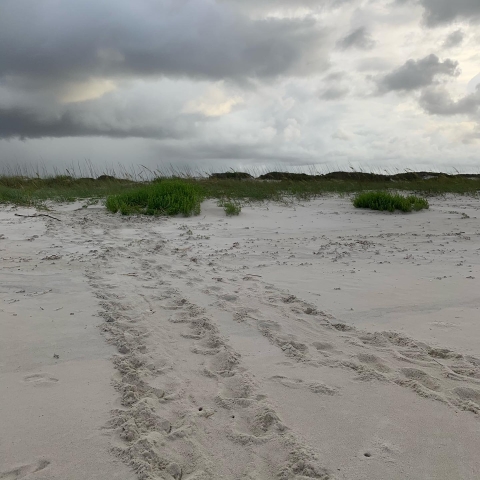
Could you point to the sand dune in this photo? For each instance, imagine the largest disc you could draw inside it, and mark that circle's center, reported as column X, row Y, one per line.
column 292, row 342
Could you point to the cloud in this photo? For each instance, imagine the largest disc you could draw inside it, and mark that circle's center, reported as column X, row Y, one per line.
column 416, row 74
column 472, row 137
column 439, row 102
column 88, row 90
column 52, row 41
column 454, row 39
column 142, row 109
column 234, row 81
column 334, row 93
column 22, row 123
column 292, row 131
column 373, row 64
column 359, row 38
column 214, row 103
column 269, row 6
column 335, row 76
column 437, row 12
column 341, row 135
column 446, row 11
column 473, row 83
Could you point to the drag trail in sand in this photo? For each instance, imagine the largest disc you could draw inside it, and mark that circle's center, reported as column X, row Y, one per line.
column 308, row 341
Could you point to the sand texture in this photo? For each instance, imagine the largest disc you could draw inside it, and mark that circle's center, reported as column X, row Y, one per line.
column 305, row 341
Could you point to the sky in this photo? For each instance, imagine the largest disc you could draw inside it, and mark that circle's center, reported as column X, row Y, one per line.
column 219, row 84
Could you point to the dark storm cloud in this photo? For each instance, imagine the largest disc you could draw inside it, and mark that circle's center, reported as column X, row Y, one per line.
column 56, row 41
column 439, row 12
column 24, row 123
column 359, row 38
column 415, row 74
column 454, row 39
column 439, row 102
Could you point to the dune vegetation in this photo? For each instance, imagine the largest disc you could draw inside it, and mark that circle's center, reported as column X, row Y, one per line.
column 386, row 201
column 156, row 192
column 162, row 197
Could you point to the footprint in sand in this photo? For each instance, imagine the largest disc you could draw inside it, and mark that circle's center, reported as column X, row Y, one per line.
column 469, row 399
column 322, row 389
column 421, row 377
column 373, row 361
column 323, row 346
column 268, row 326
column 469, row 394
column 38, row 379
column 326, row 349
column 24, row 470
column 473, row 360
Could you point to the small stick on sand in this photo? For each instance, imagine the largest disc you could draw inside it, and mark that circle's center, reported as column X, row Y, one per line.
column 38, row 215
column 183, row 249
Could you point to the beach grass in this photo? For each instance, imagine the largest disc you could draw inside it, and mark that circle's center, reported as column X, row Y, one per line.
column 385, row 201
column 26, row 189
column 162, row 197
column 36, row 191
column 230, row 207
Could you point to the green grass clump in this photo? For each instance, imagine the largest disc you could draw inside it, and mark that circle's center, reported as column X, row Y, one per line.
column 391, row 202
column 165, row 197
column 231, row 208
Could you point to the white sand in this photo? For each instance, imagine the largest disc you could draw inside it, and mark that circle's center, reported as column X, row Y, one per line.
column 288, row 342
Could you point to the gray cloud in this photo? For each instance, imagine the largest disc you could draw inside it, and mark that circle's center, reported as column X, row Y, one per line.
column 445, row 11
column 25, row 123
column 439, row 102
column 334, row 93
column 231, row 151
column 50, row 49
column 54, row 41
column 373, row 64
column 359, row 38
column 437, row 12
column 335, row 76
column 17, row 122
column 415, row 74
column 472, row 137
column 228, row 81
column 275, row 5
column 454, row 39
column 341, row 135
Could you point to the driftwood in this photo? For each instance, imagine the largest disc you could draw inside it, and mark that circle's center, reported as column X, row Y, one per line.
column 38, row 215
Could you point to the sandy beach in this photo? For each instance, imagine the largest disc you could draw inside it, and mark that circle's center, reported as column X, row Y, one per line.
column 299, row 341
